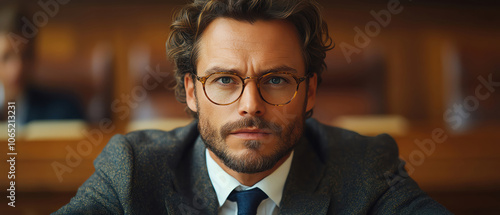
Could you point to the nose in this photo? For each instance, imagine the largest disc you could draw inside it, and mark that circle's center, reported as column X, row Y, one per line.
column 250, row 103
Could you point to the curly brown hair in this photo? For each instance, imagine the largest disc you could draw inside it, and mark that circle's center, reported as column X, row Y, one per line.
column 191, row 20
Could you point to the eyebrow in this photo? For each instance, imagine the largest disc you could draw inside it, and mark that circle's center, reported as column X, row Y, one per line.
column 281, row 68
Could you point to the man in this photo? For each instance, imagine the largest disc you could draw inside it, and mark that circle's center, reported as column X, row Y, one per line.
column 248, row 71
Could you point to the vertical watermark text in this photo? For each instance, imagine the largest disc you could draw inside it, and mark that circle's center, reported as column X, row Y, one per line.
column 11, row 153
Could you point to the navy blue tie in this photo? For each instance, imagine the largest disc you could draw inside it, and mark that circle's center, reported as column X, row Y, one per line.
column 247, row 200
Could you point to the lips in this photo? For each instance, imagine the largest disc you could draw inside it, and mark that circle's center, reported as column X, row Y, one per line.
column 251, row 133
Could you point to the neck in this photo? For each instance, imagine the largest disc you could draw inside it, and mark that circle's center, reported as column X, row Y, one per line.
column 246, row 178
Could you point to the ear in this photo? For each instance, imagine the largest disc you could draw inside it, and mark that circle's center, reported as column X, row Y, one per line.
column 190, row 96
column 311, row 94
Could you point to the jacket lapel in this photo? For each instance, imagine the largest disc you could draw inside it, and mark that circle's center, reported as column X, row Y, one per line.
column 302, row 193
column 194, row 188
column 204, row 195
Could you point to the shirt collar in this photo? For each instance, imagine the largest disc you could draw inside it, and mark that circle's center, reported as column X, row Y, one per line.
column 224, row 183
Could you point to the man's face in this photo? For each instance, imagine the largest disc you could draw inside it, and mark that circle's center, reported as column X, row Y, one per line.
column 10, row 69
column 250, row 135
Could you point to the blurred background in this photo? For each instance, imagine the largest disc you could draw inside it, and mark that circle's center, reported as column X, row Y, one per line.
column 426, row 72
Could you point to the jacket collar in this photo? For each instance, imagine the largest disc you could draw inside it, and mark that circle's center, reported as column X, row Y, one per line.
column 193, row 192
column 203, row 192
column 303, row 193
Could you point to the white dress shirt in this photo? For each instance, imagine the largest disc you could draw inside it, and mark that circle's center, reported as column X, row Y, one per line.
column 272, row 185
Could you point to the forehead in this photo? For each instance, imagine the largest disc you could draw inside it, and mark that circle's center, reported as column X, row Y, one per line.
column 244, row 46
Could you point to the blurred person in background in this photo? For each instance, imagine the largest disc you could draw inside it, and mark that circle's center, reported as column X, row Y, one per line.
column 17, row 64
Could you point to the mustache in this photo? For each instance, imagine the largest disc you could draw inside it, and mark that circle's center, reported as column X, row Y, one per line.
column 257, row 122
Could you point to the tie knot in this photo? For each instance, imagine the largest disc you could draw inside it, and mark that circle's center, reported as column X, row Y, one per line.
column 247, row 200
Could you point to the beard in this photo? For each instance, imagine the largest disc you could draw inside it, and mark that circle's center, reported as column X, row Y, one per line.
column 282, row 140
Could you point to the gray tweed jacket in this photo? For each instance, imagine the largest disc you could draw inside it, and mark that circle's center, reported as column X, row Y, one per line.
column 334, row 171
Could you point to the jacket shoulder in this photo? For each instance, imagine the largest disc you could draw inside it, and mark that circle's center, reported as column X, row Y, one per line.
column 333, row 143
column 149, row 145
column 132, row 172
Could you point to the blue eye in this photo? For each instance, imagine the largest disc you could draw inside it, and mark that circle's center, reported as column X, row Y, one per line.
column 276, row 80
column 225, row 80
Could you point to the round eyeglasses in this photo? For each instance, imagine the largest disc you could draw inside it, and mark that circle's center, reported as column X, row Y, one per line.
column 275, row 88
